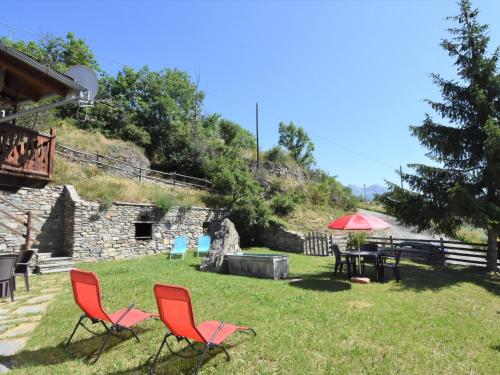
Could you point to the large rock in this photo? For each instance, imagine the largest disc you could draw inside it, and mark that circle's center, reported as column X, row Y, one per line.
column 226, row 241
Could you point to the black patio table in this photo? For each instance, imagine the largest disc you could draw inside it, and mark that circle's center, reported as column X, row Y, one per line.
column 354, row 255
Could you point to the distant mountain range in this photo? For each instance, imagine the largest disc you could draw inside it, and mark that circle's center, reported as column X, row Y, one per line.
column 370, row 191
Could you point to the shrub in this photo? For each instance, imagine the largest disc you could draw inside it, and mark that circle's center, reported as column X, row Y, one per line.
column 164, row 201
column 242, row 196
column 355, row 239
column 276, row 155
column 284, row 204
column 133, row 133
column 106, row 203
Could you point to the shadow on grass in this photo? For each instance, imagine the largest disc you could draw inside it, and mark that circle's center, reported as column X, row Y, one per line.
column 323, row 282
column 496, row 347
column 169, row 363
column 84, row 349
column 436, row 277
column 414, row 276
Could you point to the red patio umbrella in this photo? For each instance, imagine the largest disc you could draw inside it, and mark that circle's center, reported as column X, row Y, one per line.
column 358, row 222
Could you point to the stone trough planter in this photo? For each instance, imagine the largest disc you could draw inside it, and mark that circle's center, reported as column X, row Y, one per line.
column 270, row 266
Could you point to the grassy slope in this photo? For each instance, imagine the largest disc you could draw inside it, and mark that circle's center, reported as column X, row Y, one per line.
column 437, row 321
column 93, row 184
column 71, row 136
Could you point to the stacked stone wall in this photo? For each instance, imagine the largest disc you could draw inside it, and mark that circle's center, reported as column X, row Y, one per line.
column 75, row 227
column 111, row 233
column 47, row 207
column 278, row 238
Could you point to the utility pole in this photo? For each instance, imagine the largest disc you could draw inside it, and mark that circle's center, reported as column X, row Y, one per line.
column 257, row 132
column 364, row 191
column 401, row 175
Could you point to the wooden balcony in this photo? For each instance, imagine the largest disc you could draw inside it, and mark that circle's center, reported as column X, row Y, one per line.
column 26, row 156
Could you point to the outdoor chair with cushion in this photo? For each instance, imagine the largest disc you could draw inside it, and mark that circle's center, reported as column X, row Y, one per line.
column 339, row 262
column 176, row 312
column 180, row 246
column 204, row 243
column 394, row 264
column 22, row 267
column 7, row 263
column 87, row 294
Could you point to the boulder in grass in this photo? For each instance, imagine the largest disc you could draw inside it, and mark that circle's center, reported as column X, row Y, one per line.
column 360, row 280
column 226, row 241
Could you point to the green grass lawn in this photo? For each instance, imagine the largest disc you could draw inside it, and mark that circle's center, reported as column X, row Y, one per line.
column 436, row 321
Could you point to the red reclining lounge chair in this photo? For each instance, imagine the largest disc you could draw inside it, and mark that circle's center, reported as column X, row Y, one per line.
column 87, row 293
column 176, row 312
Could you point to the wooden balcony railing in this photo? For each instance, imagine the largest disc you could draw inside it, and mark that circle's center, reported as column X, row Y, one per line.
column 26, row 156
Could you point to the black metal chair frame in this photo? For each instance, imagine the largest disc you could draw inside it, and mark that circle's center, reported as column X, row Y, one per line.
column 23, row 265
column 8, row 283
column 111, row 330
column 395, row 266
column 202, row 353
column 339, row 263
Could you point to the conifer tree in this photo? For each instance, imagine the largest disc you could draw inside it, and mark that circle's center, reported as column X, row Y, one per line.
column 464, row 186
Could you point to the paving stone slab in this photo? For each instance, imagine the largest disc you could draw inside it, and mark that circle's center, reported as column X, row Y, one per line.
column 52, row 290
column 26, row 319
column 20, row 330
column 11, row 347
column 31, row 309
column 42, row 298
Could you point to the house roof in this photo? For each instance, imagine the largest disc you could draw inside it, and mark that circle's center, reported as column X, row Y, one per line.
column 23, row 79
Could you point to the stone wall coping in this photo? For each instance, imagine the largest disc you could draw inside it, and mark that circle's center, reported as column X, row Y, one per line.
column 119, row 203
column 73, row 194
column 76, row 198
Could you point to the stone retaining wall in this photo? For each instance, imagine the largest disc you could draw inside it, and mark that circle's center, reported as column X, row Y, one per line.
column 278, row 238
column 47, row 206
column 111, row 234
column 75, row 227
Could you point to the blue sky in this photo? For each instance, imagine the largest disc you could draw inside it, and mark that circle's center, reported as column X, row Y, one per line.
column 352, row 73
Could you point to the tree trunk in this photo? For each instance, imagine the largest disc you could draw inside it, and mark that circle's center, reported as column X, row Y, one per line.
column 492, row 254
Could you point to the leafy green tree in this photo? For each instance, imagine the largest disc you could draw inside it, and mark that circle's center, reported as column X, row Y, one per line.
column 465, row 187
column 242, row 195
column 296, row 140
column 235, row 136
column 157, row 110
column 57, row 52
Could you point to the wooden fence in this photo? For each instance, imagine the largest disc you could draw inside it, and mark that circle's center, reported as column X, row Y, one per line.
column 130, row 170
column 427, row 251
column 318, row 244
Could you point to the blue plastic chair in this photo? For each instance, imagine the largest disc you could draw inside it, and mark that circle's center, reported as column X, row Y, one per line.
column 204, row 243
column 180, row 246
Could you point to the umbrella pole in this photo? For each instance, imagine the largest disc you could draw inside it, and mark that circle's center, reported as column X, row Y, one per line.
column 359, row 257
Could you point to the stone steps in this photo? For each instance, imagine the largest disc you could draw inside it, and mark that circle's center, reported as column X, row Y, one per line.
column 46, row 263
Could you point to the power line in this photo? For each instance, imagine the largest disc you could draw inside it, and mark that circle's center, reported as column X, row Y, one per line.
column 315, row 135
column 264, row 112
column 10, row 28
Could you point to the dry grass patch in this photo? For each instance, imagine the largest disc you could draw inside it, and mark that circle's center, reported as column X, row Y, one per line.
column 93, row 184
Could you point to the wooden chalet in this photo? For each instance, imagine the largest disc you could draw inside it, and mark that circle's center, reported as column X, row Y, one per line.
column 27, row 156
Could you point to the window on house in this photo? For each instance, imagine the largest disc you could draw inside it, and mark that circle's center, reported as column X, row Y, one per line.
column 143, row 230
